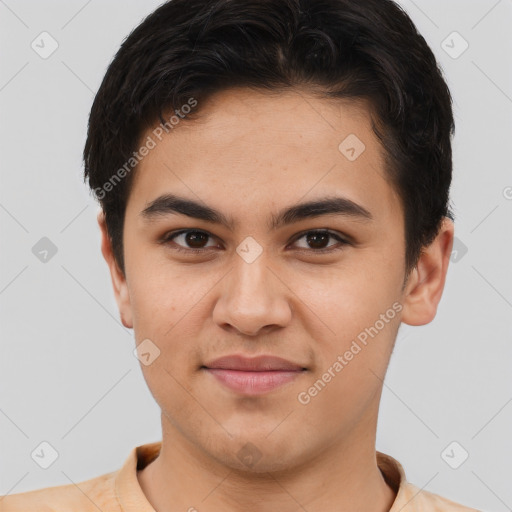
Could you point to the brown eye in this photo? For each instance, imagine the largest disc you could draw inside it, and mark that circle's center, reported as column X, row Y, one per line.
column 316, row 241
column 196, row 239
column 190, row 240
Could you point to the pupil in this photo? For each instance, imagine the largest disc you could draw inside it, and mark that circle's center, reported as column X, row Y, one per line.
column 315, row 238
column 194, row 237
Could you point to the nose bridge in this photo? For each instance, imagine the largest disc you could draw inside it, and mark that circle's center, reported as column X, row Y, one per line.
column 249, row 282
column 251, row 296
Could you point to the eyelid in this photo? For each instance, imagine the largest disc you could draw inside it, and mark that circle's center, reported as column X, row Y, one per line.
column 335, row 234
column 171, row 235
column 340, row 237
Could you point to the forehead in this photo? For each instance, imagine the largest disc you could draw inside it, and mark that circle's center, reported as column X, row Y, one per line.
column 249, row 147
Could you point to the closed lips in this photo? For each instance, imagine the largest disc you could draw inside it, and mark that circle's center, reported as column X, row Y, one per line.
column 255, row 364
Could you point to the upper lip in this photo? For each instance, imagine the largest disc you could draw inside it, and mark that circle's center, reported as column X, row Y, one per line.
column 255, row 364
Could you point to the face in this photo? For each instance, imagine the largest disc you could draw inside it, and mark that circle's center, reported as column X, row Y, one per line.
column 320, row 287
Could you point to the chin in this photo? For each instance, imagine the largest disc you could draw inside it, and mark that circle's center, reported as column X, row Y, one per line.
column 257, row 451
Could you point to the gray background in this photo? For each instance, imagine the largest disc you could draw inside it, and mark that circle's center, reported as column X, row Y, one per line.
column 67, row 372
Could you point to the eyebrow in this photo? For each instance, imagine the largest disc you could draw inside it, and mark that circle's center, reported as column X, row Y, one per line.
column 170, row 204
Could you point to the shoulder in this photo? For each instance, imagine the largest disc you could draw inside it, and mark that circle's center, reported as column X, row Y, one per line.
column 89, row 495
column 425, row 501
column 409, row 497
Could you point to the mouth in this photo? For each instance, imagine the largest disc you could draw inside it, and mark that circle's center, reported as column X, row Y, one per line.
column 253, row 376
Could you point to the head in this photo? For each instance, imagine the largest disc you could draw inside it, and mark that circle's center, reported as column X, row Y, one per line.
column 225, row 118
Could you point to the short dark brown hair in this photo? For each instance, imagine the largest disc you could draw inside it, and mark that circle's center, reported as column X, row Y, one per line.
column 360, row 49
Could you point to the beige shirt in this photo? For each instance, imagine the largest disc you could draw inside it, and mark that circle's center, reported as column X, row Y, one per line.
column 120, row 491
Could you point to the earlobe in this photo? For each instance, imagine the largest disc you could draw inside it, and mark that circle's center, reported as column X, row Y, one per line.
column 118, row 279
column 426, row 282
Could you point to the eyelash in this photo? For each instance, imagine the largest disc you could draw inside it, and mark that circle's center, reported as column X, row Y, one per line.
column 169, row 237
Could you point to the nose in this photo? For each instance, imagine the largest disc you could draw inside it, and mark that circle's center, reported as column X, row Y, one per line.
column 252, row 299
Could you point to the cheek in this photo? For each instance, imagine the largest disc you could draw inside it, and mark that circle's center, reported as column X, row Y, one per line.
column 354, row 316
column 346, row 301
column 347, row 378
column 159, row 298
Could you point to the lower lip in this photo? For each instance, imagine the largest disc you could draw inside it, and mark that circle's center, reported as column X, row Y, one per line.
column 253, row 383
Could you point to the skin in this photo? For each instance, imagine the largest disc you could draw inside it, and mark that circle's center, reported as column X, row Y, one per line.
column 249, row 156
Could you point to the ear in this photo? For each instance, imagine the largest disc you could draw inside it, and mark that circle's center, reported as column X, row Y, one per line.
column 118, row 279
column 426, row 282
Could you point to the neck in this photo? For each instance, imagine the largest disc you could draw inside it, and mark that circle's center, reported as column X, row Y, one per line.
column 343, row 477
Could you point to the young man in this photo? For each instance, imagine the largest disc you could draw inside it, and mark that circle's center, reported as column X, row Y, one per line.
column 274, row 181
